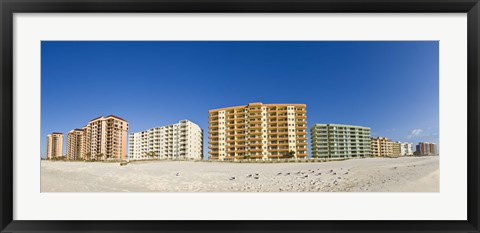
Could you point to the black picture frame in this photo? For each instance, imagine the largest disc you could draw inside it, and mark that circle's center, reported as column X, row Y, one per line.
column 9, row 7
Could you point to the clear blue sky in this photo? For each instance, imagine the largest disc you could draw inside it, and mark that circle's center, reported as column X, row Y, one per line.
column 391, row 87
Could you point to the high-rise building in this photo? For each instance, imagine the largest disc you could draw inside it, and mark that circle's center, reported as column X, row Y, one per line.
column 426, row 148
column 381, row 147
column 183, row 140
column 405, row 148
column 258, row 131
column 55, row 145
column 106, row 138
column 340, row 141
column 75, row 144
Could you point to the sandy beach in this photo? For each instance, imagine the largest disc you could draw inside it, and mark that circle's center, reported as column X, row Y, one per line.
column 406, row 174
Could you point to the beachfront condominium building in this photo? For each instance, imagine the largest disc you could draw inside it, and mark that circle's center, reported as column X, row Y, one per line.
column 396, row 149
column 426, row 148
column 106, row 138
column 405, row 148
column 75, row 145
column 258, row 131
column 340, row 141
column 55, row 145
column 183, row 140
column 381, row 147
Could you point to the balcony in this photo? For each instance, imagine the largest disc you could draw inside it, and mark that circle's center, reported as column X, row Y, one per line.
column 255, row 127
column 255, row 133
column 255, row 121
column 255, row 150
column 236, row 140
column 235, row 157
column 255, row 141
column 278, row 150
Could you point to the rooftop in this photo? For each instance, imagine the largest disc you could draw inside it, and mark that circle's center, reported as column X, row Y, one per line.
column 256, row 104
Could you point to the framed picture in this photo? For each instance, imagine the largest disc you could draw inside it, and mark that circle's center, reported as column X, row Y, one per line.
column 252, row 116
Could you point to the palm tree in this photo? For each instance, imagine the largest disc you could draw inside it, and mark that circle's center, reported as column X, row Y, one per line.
column 290, row 154
column 99, row 156
column 88, row 156
column 151, row 154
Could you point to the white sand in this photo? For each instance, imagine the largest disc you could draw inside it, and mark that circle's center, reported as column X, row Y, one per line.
column 408, row 174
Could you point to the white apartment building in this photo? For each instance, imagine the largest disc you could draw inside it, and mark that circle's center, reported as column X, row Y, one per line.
column 405, row 148
column 183, row 140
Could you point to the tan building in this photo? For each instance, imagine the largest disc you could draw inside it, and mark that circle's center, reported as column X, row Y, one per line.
column 75, row 145
column 258, row 131
column 55, row 145
column 396, row 149
column 381, row 147
column 106, row 138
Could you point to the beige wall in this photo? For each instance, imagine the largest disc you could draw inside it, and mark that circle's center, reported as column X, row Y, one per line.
column 258, row 131
column 75, row 145
column 381, row 147
column 396, row 149
column 55, row 146
column 106, row 138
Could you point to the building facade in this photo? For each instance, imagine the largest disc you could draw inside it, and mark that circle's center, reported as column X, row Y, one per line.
column 340, row 141
column 405, row 149
column 75, row 145
column 381, row 147
column 258, row 131
column 106, row 138
column 396, row 149
column 426, row 148
column 183, row 140
column 55, row 146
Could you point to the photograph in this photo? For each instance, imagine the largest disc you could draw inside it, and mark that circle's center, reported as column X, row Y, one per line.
column 239, row 116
